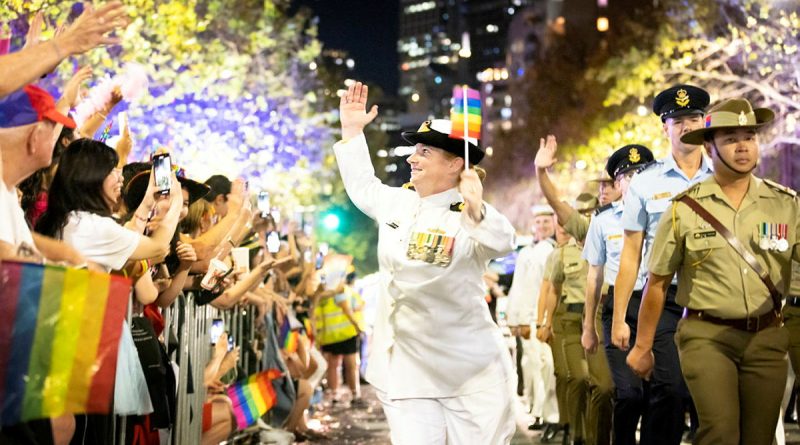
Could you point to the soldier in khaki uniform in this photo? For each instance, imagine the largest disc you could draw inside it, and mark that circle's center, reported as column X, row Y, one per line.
column 731, row 344
column 598, row 422
column 566, row 271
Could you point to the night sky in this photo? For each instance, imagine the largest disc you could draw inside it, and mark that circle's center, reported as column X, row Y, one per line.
column 367, row 30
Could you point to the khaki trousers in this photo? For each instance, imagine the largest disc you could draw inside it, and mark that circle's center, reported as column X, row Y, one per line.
column 560, row 365
column 600, row 408
column 736, row 379
column 577, row 386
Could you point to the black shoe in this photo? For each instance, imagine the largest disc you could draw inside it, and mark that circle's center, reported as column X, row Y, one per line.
column 537, row 425
column 565, row 439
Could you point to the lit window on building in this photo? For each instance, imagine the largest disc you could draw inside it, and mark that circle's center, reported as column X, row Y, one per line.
column 419, row 7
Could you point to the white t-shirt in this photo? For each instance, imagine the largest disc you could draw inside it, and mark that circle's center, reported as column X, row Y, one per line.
column 100, row 239
column 14, row 229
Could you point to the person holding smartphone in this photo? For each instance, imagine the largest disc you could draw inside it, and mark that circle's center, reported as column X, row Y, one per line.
column 438, row 362
column 86, row 188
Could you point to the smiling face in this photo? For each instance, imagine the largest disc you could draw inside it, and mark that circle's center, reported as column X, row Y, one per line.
column 543, row 226
column 112, row 187
column 433, row 170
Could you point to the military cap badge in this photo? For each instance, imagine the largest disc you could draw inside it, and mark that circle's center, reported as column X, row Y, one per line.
column 682, row 98
column 633, row 155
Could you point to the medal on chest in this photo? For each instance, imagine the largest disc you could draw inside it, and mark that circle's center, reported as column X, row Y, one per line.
column 773, row 237
column 431, row 246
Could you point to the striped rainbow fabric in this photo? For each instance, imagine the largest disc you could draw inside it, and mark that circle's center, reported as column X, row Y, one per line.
column 59, row 334
column 466, row 112
column 253, row 397
column 287, row 337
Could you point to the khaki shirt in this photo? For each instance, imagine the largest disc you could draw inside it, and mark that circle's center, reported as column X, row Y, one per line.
column 565, row 267
column 711, row 275
column 577, row 226
column 794, row 288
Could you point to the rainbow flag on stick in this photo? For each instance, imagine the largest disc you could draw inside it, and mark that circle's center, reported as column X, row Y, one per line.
column 466, row 116
column 253, row 397
column 288, row 337
column 59, row 334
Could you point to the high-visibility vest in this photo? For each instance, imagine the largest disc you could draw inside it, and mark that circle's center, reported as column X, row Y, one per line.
column 333, row 326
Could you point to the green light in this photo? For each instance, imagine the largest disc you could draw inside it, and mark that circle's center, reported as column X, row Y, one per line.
column 331, row 221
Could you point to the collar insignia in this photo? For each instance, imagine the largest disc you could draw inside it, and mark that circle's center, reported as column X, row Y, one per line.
column 682, row 98
column 633, row 155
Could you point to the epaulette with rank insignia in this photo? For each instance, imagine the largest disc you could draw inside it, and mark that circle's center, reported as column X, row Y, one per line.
column 602, row 209
column 685, row 192
column 408, row 186
column 780, row 188
column 456, row 206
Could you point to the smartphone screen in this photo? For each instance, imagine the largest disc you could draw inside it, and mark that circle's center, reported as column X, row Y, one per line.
column 230, row 342
column 217, row 327
column 320, row 259
column 162, row 172
column 273, row 242
column 263, row 203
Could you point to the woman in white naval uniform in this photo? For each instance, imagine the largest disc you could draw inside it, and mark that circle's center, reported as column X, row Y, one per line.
column 438, row 362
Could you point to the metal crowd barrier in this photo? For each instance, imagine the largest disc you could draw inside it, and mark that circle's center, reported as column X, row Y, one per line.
column 194, row 352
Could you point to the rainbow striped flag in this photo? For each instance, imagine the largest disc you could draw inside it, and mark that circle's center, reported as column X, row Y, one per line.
column 466, row 112
column 288, row 337
column 253, row 397
column 59, row 334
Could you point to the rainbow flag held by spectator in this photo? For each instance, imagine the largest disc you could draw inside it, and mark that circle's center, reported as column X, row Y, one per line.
column 253, row 397
column 466, row 113
column 288, row 337
column 59, row 333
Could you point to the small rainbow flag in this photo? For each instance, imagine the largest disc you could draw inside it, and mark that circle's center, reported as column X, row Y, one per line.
column 59, row 334
column 466, row 112
column 288, row 337
column 253, row 397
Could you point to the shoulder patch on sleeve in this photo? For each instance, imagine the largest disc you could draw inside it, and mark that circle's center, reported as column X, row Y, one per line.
column 780, row 187
column 602, row 209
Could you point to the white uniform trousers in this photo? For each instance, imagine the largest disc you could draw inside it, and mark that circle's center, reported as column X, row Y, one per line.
column 482, row 418
column 538, row 371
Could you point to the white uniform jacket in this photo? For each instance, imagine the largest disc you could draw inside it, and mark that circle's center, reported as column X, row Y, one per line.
column 523, row 297
column 433, row 335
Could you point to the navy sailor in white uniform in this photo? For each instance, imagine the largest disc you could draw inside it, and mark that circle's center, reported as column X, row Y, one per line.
column 438, row 361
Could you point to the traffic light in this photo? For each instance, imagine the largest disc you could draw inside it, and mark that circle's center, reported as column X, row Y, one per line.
column 331, row 221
